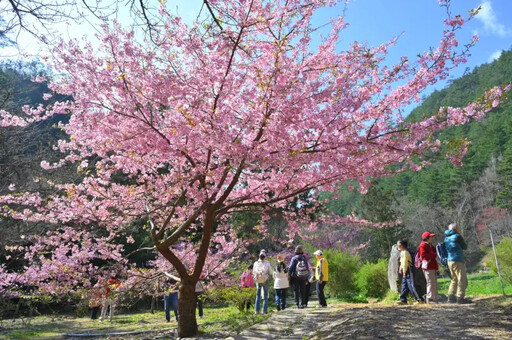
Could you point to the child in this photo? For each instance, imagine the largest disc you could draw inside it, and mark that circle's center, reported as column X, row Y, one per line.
column 247, row 282
column 405, row 270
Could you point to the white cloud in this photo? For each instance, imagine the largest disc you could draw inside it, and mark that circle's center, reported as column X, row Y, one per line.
column 490, row 20
column 495, row 55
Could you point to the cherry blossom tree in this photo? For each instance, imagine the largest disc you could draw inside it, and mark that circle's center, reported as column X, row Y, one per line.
column 238, row 111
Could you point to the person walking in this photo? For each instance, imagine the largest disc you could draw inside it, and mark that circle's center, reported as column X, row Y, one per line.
column 455, row 246
column 171, row 300
column 199, row 295
column 109, row 302
column 321, row 276
column 247, row 282
column 407, row 275
column 298, row 273
column 95, row 300
column 429, row 265
column 261, row 273
column 281, row 283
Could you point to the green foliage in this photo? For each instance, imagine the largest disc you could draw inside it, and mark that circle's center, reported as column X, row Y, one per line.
column 504, row 196
column 342, row 274
column 438, row 184
column 390, row 298
column 231, row 296
column 378, row 206
column 481, row 284
column 372, row 279
column 504, row 253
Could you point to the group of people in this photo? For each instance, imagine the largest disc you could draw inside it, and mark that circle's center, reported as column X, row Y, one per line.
column 298, row 275
column 454, row 245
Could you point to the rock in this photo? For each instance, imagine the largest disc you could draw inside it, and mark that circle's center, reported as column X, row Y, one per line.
column 393, row 266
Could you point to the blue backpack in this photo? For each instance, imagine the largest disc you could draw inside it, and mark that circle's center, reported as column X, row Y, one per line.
column 442, row 254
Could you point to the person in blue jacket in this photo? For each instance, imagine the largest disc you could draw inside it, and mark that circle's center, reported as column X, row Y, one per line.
column 455, row 246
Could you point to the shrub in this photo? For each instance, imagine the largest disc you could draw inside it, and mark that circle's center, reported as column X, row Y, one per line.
column 232, row 296
column 372, row 279
column 504, row 252
column 342, row 274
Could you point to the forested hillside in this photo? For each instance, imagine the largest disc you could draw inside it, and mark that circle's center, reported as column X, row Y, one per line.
column 442, row 193
column 438, row 184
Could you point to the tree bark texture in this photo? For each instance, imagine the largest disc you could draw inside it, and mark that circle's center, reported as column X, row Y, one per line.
column 187, row 323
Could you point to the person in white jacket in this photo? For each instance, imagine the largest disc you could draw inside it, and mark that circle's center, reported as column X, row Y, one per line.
column 261, row 273
column 281, row 283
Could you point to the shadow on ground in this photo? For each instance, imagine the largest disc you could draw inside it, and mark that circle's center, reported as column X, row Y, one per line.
column 480, row 320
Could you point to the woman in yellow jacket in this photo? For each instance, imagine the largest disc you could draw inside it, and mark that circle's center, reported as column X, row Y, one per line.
column 321, row 276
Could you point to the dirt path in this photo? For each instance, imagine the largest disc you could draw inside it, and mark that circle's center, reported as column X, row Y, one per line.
column 484, row 319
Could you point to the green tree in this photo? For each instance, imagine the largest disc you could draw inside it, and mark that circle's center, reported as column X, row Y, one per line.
column 504, row 196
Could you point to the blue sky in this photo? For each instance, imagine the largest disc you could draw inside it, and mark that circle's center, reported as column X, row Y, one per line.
column 374, row 21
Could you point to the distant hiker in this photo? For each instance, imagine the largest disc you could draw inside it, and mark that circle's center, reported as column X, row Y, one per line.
column 247, row 281
column 171, row 300
column 109, row 302
column 429, row 265
column 281, row 283
column 321, row 276
column 298, row 273
column 199, row 295
column 455, row 244
column 405, row 270
column 261, row 273
column 95, row 300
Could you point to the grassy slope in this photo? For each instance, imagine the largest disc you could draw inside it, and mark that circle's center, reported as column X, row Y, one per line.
column 480, row 284
column 227, row 319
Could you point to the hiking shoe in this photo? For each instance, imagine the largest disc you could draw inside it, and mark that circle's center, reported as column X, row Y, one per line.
column 401, row 303
column 419, row 302
column 463, row 301
column 451, row 299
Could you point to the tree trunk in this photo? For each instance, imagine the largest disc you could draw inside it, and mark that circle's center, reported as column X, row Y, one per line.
column 187, row 323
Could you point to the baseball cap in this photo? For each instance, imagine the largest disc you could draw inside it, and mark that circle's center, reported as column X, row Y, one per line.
column 427, row 234
column 318, row 252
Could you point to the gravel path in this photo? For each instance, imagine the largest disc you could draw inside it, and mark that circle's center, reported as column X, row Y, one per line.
column 480, row 320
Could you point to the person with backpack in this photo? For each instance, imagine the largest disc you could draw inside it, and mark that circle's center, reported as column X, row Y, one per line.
column 321, row 276
column 406, row 270
column 261, row 273
column 299, row 273
column 428, row 255
column 455, row 246
column 281, row 283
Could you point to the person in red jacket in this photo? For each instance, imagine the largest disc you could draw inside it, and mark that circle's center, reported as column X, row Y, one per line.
column 429, row 265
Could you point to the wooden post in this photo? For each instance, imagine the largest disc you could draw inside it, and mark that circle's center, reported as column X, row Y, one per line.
column 497, row 263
